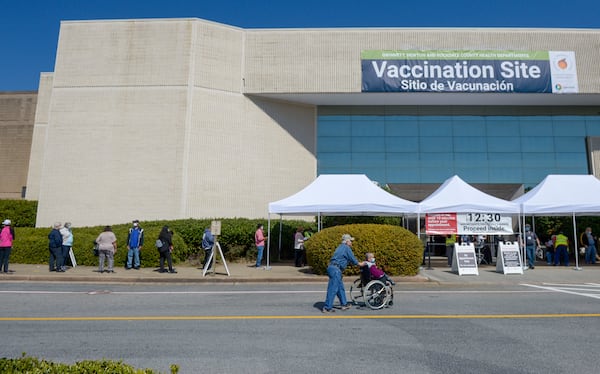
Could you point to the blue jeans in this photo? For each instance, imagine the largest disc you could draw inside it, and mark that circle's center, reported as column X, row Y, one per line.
column 334, row 287
column 590, row 254
column 561, row 254
column 4, row 255
column 530, row 255
column 549, row 257
column 133, row 256
column 65, row 255
column 259, row 255
column 56, row 261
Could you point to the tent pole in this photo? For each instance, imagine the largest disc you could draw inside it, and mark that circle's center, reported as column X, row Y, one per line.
column 576, row 246
column 280, row 228
column 522, row 243
column 268, row 242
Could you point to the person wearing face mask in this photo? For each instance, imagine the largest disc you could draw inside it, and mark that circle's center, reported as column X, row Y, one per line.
column 531, row 239
column 377, row 273
column 135, row 241
column 588, row 240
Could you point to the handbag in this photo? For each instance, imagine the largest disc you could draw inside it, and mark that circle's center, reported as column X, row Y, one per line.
column 158, row 244
column 96, row 250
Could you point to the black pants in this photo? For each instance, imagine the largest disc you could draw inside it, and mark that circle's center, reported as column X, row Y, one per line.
column 166, row 255
column 4, row 256
column 299, row 257
column 56, row 258
column 207, row 253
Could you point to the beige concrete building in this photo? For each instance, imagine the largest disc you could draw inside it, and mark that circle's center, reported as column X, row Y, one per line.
column 178, row 118
column 17, row 113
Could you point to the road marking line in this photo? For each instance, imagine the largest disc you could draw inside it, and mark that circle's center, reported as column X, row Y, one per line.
column 562, row 290
column 347, row 316
column 95, row 292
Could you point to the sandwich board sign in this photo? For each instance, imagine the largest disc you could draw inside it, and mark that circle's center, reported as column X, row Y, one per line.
column 464, row 260
column 509, row 259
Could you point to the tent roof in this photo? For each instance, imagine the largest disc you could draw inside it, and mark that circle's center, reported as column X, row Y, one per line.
column 456, row 196
column 343, row 194
column 563, row 195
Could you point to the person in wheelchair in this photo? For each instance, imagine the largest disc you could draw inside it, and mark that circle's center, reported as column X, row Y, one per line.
column 375, row 272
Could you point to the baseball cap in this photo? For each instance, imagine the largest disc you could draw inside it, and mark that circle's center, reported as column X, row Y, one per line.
column 6, row 222
column 347, row 237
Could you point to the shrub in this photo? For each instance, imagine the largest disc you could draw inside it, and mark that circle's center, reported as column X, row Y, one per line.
column 33, row 365
column 22, row 213
column 236, row 240
column 397, row 250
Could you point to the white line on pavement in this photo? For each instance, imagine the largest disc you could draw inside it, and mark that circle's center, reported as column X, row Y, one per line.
column 564, row 290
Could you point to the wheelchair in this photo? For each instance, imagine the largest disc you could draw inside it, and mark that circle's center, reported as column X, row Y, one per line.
column 372, row 292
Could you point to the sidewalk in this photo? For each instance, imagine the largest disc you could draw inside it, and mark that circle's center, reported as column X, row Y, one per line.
column 287, row 273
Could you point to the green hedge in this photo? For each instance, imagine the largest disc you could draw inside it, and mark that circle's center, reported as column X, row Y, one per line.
column 236, row 240
column 33, row 365
column 397, row 250
column 22, row 213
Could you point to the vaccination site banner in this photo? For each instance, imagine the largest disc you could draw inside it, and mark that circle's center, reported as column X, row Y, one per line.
column 469, row 71
column 468, row 224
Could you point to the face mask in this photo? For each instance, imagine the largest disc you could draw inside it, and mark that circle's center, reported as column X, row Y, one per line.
column 135, row 225
column 527, row 228
column 373, row 260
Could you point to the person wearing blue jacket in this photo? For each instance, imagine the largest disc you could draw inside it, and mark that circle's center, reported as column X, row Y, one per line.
column 55, row 241
column 208, row 241
column 341, row 258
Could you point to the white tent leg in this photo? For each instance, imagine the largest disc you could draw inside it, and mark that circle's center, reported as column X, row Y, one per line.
column 576, row 244
column 268, row 267
column 280, row 228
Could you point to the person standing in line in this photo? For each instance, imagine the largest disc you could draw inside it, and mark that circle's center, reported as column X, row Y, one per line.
column 588, row 240
column 335, row 287
column 550, row 250
column 561, row 252
column 135, row 242
column 208, row 241
column 7, row 236
column 531, row 242
column 299, row 252
column 450, row 241
column 166, row 237
column 107, row 245
column 259, row 240
column 55, row 241
column 67, row 243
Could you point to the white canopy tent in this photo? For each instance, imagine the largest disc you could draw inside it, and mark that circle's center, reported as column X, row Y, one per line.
column 341, row 194
column 563, row 195
column 457, row 196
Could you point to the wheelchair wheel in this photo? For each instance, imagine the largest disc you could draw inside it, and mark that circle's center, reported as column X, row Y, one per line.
column 356, row 291
column 375, row 294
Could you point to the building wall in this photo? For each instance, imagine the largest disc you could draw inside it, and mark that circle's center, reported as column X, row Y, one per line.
column 328, row 60
column 17, row 113
column 156, row 127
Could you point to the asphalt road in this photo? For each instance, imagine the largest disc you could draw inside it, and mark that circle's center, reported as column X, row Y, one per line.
column 279, row 328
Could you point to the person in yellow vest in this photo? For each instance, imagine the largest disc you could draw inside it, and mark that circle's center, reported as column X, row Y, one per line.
column 450, row 241
column 561, row 253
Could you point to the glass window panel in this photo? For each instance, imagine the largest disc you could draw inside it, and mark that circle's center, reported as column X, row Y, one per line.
column 502, row 126
column 334, row 144
column 436, row 159
column 569, row 144
column 430, row 127
column 572, row 160
column 504, row 160
column 533, row 176
column 329, row 160
column 541, row 160
column 593, row 126
column 401, row 128
column 401, row 144
column 535, row 126
column 469, row 144
column 505, row 144
column 435, row 144
column 568, row 126
column 333, row 128
column 402, row 160
column 471, row 160
column 472, row 174
column 368, row 128
column 345, row 118
column 368, row 144
column 537, row 144
column 368, row 160
column 505, row 175
column 469, row 126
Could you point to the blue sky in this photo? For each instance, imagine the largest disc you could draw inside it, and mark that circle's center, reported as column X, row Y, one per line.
column 29, row 29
